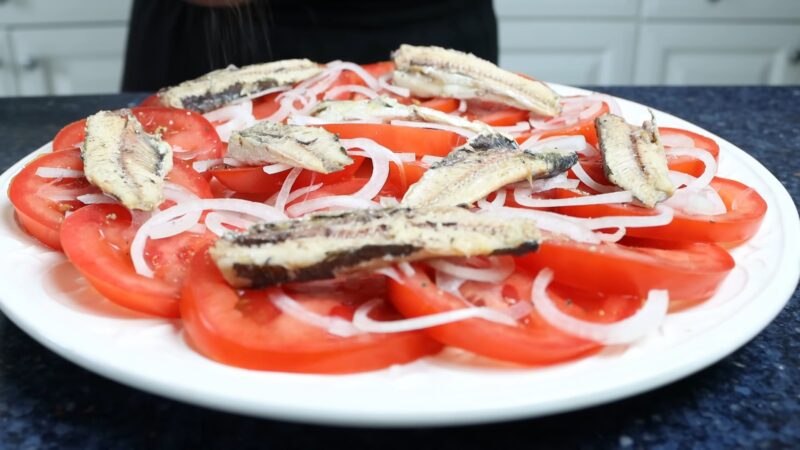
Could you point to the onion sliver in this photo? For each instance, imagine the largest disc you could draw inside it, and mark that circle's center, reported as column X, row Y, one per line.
column 676, row 140
column 286, row 189
column 234, row 111
column 333, row 325
column 345, row 88
column 362, row 321
column 58, row 172
column 579, row 172
column 626, row 331
column 258, row 210
column 389, row 272
column 91, row 199
column 522, row 197
column 664, row 217
column 205, row 164
column 500, row 270
column 383, row 82
column 573, row 143
column 520, row 127
column 371, row 81
column 450, row 284
column 430, row 159
column 272, row 169
column 214, row 222
column 380, row 156
column 698, row 202
column 334, row 201
column 435, row 126
column 708, row 159
column 550, row 221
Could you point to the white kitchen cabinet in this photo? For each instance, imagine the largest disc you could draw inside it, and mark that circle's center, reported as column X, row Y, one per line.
column 68, row 60
column 722, row 9
column 6, row 75
column 681, row 54
column 601, row 53
column 519, row 9
column 18, row 12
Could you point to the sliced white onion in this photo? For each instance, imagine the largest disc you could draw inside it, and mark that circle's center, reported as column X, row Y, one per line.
column 613, row 105
column 286, row 189
column 707, row 158
column 520, row 127
column 462, row 106
column 215, row 221
column 612, row 237
column 387, row 202
column 205, row 164
column 383, row 81
column 362, row 321
column 380, row 156
column 176, row 226
column 272, row 169
column 371, row 81
column 234, row 111
column 676, row 140
column 258, row 210
column 626, row 331
column 57, row 194
column 697, row 202
column 500, row 270
column 522, row 197
column 591, row 111
column 91, row 199
column 435, row 126
column 558, row 181
column 430, row 160
column 233, row 162
column 297, row 193
column 664, row 217
column 58, row 172
column 569, row 143
column 407, row 269
column 389, row 272
column 345, row 88
column 450, row 284
column 499, row 198
column 532, row 139
column 579, row 172
column 334, row 201
column 291, row 307
column 298, row 119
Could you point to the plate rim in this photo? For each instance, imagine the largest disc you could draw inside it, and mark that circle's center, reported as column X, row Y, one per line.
column 781, row 285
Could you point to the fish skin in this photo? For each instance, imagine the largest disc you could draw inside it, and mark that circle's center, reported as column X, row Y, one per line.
column 634, row 158
column 312, row 148
column 220, row 87
column 124, row 161
column 483, row 165
column 386, row 109
column 327, row 245
column 439, row 72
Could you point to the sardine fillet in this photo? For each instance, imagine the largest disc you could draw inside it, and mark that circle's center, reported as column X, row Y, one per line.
column 486, row 163
column 330, row 244
column 439, row 72
column 220, row 87
column 634, row 158
column 312, row 148
column 124, row 161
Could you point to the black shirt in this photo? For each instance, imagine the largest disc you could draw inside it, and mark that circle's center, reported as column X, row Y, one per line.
column 171, row 41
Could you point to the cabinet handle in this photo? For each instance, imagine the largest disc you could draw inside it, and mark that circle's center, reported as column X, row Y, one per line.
column 30, row 64
column 714, row 1
column 795, row 59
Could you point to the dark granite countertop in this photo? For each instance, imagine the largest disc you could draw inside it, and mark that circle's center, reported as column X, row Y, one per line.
column 750, row 399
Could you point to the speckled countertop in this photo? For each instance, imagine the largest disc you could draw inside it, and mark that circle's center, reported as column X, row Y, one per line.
column 750, row 399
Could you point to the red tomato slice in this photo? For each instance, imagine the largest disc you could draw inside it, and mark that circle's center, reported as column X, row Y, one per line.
column 400, row 139
column 37, row 201
column 151, row 101
column 533, row 342
column 97, row 238
column 446, row 105
column 349, row 187
column 504, row 118
column 248, row 331
column 253, row 180
column 746, row 211
column 266, row 105
column 192, row 137
column 410, row 173
column 584, row 127
column 379, row 69
column 689, row 271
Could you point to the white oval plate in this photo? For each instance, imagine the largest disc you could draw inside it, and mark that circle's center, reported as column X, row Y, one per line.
column 46, row 297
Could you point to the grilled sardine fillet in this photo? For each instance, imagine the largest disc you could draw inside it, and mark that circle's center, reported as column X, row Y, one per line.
column 439, row 72
column 386, row 109
column 634, row 158
column 484, row 164
column 220, row 87
column 124, row 161
column 311, row 148
column 326, row 245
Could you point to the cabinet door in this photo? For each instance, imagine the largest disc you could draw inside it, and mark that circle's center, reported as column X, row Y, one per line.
column 517, row 9
column 719, row 9
column 6, row 75
column 569, row 52
column 18, row 12
column 64, row 61
column 718, row 54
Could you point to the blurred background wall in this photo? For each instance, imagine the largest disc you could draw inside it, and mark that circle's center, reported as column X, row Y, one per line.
column 65, row 47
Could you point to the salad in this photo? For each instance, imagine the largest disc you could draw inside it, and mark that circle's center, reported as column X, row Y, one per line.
column 342, row 218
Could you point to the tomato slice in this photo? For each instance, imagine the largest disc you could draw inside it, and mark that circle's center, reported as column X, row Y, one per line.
column 401, row 139
column 41, row 203
column 446, row 105
column 410, row 173
column 246, row 330
column 533, row 342
column 584, row 127
column 689, row 271
column 191, row 136
column 266, row 105
column 97, row 239
column 746, row 211
column 253, row 180
column 504, row 118
column 151, row 101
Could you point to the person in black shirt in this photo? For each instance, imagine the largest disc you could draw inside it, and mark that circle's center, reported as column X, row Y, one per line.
column 170, row 41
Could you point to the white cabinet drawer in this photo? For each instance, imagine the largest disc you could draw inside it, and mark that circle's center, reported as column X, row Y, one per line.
column 6, row 75
column 723, row 9
column 601, row 53
column 64, row 61
column 516, row 9
column 718, row 54
column 57, row 11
